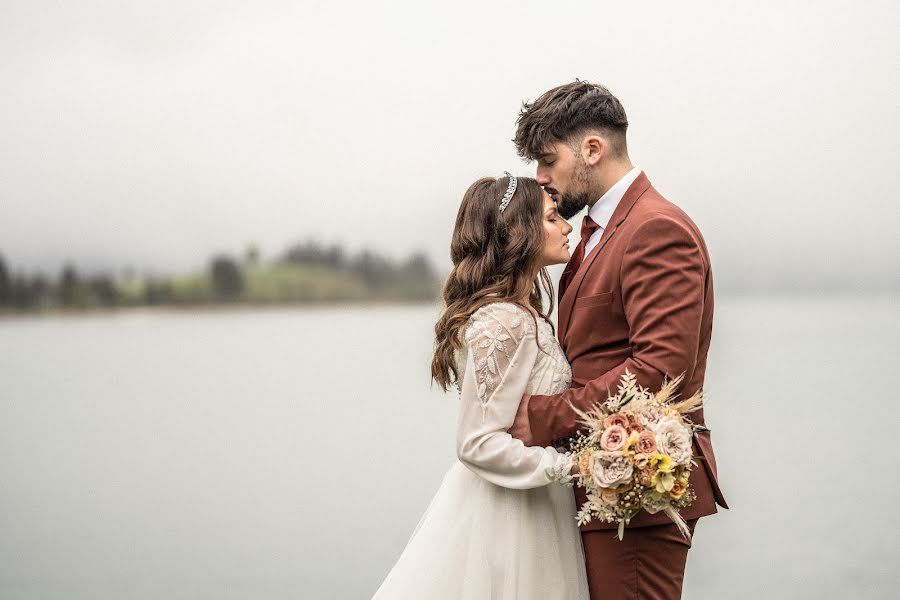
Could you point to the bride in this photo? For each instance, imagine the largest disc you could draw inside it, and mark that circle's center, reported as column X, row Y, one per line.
column 502, row 525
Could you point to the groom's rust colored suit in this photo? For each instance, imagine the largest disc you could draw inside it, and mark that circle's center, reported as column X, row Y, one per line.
column 642, row 300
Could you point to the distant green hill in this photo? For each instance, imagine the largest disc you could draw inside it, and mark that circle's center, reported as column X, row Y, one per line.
column 306, row 273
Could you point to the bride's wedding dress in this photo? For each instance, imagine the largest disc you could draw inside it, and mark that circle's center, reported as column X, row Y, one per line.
column 502, row 525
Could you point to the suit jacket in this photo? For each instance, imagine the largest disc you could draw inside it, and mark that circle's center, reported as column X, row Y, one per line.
column 642, row 301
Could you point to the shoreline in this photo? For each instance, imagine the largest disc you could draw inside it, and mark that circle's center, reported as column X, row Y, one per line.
column 237, row 307
column 247, row 307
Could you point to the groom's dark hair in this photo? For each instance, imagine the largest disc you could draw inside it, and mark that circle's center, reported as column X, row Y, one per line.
column 565, row 114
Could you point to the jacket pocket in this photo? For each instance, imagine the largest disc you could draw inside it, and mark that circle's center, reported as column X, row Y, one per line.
column 594, row 300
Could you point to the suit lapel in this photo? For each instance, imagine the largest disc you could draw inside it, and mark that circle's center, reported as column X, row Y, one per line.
column 567, row 302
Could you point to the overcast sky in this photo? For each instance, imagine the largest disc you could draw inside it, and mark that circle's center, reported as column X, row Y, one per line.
column 155, row 133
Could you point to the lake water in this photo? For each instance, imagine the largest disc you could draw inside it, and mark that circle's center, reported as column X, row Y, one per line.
column 288, row 453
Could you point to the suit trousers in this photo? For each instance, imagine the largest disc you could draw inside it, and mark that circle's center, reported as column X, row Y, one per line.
column 648, row 564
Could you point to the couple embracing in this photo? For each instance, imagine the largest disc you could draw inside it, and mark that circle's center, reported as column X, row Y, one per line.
column 636, row 295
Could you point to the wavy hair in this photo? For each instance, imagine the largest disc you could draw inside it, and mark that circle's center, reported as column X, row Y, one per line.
column 567, row 110
column 494, row 258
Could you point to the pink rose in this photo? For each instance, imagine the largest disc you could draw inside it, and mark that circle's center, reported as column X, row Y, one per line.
column 646, row 443
column 613, row 438
column 616, row 419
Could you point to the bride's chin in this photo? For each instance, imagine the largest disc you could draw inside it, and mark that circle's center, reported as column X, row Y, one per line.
column 556, row 260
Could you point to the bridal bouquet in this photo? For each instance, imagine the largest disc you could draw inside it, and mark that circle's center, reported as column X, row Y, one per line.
column 636, row 454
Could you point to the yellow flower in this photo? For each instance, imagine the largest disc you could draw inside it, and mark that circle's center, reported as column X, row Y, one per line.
column 663, row 463
column 664, row 482
column 632, row 440
column 664, row 478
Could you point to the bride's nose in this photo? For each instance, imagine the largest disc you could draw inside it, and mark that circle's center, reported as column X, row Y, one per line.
column 568, row 227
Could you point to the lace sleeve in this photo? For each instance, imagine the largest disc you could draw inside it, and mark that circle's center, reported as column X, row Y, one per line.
column 501, row 343
column 495, row 334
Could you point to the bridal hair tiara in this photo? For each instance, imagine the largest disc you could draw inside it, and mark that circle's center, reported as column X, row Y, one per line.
column 513, row 183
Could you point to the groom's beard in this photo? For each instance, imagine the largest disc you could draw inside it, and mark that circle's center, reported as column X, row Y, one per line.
column 570, row 204
column 579, row 194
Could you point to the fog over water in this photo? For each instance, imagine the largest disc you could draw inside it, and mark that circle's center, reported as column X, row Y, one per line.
column 153, row 134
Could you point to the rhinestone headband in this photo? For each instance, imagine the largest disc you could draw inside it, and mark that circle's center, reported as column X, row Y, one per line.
column 513, row 182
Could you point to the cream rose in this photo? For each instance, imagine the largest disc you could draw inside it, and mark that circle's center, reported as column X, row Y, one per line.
column 650, row 417
column 613, row 438
column 609, row 496
column 610, row 470
column 674, row 439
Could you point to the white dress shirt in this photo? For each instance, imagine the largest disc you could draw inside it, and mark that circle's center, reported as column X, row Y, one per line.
column 603, row 208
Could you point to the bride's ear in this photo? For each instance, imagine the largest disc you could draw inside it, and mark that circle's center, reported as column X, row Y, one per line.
column 593, row 148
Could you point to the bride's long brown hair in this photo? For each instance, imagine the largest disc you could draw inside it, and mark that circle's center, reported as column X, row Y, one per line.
column 494, row 257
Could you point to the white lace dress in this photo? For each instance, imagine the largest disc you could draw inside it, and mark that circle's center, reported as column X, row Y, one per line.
column 502, row 525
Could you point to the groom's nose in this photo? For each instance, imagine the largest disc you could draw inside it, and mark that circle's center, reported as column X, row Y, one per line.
column 541, row 177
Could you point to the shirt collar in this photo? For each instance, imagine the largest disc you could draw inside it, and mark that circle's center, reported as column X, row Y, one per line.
column 602, row 210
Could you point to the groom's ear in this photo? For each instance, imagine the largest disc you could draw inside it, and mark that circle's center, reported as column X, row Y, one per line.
column 593, row 148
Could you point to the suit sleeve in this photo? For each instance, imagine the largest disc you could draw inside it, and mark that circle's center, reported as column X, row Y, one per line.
column 663, row 288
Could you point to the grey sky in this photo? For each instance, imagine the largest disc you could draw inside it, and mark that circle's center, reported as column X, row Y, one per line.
column 154, row 134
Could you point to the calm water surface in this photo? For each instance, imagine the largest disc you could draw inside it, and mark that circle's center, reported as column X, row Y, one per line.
column 289, row 453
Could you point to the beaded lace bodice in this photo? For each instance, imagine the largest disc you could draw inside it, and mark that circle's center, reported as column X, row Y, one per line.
column 499, row 328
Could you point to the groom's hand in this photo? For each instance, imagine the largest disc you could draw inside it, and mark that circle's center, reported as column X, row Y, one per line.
column 521, row 427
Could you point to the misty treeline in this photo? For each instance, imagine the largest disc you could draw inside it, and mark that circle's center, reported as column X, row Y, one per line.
column 308, row 272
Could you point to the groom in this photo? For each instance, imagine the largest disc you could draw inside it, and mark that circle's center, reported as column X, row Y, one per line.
column 637, row 294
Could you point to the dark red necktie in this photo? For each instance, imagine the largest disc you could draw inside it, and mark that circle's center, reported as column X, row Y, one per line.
column 588, row 227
